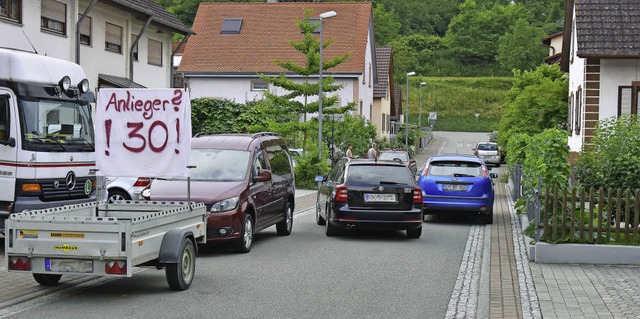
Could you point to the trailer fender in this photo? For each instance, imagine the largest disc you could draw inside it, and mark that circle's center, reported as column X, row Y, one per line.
column 171, row 242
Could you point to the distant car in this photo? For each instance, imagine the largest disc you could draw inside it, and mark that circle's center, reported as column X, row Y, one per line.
column 402, row 156
column 246, row 181
column 125, row 188
column 489, row 152
column 457, row 183
column 369, row 195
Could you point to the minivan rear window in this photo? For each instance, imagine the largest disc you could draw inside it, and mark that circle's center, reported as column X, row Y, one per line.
column 219, row 165
column 378, row 174
column 455, row 168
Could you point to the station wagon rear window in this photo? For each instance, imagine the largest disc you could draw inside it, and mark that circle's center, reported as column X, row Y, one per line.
column 378, row 174
column 388, row 156
column 455, row 168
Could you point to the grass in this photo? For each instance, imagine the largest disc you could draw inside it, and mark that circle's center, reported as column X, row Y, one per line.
column 457, row 100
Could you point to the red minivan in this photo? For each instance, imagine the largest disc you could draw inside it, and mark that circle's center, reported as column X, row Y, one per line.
column 246, row 181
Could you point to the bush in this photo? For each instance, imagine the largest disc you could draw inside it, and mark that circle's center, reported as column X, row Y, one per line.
column 613, row 160
column 547, row 157
column 307, row 168
column 516, row 149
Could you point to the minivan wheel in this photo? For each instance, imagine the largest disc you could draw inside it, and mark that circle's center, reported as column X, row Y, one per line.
column 286, row 225
column 246, row 236
column 319, row 219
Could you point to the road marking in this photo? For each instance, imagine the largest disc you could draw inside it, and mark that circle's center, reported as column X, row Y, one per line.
column 464, row 298
column 441, row 149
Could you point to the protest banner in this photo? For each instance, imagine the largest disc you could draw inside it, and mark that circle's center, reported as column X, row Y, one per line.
column 143, row 132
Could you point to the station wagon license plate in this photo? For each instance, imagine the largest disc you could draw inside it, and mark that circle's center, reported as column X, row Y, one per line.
column 69, row 265
column 383, row 198
column 454, row 187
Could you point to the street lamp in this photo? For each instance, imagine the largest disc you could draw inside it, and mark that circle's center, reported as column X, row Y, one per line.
column 406, row 119
column 326, row 15
column 420, row 116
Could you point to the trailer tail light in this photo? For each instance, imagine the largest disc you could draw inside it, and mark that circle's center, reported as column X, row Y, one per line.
column 417, row 195
column 142, row 181
column 19, row 263
column 342, row 193
column 115, row 267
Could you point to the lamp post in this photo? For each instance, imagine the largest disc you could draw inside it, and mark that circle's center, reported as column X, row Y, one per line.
column 406, row 119
column 420, row 116
column 326, row 15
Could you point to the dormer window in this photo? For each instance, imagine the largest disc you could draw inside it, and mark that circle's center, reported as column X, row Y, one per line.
column 231, row 25
column 313, row 21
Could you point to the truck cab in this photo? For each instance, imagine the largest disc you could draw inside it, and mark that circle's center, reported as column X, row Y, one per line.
column 47, row 150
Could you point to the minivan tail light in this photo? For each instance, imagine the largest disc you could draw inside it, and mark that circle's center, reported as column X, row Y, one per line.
column 417, row 195
column 142, row 181
column 342, row 193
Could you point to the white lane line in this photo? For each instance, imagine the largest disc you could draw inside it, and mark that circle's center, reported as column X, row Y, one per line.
column 528, row 294
column 441, row 149
column 464, row 298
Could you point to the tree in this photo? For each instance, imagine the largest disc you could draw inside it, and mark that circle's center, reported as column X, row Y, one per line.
column 521, row 48
column 296, row 100
column 387, row 25
column 537, row 101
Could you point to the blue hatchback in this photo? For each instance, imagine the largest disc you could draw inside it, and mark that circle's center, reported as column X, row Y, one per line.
column 457, row 183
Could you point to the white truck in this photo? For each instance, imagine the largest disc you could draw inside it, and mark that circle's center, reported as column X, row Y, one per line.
column 107, row 240
column 47, row 155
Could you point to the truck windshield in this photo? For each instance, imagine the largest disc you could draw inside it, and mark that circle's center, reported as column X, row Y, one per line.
column 56, row 126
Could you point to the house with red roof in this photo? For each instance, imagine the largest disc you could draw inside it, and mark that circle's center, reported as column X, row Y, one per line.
column 236, row 42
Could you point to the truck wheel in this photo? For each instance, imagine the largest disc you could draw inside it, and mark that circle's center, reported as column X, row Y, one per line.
column 284, row 227
column 47, row 279
column 414, row 232
column 180, row 275
column 244, row 243
column 117, row 195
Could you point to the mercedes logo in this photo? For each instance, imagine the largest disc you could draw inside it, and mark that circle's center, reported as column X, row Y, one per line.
column 56, row 184
column 70, row 180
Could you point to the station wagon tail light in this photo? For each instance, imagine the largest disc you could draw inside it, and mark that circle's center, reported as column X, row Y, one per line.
column 417, row 195
column 142, row 181
column 341, row 193
column 484, row 171
column 19, row 263
column 115, row 267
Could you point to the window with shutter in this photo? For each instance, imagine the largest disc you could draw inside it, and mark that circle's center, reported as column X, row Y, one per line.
column 11, row 10
column 624, row 100
column 135, row 49
column 155, row 52
column 85, row 31
column 113, row 38
column 54, row 17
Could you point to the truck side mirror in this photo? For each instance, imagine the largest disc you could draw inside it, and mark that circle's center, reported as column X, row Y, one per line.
column 11, row 142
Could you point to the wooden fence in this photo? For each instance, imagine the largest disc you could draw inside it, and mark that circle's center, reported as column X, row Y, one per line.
column 578, row 215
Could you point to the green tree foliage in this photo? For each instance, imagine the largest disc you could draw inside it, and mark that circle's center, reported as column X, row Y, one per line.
column 212, row 115
column 474, row 33
column 350, row 129
column 613, row 160
column 387, row 24
column 537, row 101
column 547, row 155
column 517, row 145
column 520, row 48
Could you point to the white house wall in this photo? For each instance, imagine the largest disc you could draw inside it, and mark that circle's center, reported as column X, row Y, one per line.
column 239, row 89
column 615, row 73
column 576, row 79
column 365, row 91
column 49, row 44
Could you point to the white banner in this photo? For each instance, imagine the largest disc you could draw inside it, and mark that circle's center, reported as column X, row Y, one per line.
column 143, row 132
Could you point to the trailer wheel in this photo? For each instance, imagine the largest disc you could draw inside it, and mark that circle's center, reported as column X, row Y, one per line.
column 47, row 279
column 180, row 275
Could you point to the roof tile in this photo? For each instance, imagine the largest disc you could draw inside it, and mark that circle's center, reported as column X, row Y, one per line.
column 608, row 27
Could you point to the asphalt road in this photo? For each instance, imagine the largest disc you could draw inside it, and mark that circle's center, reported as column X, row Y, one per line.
column 305, row 275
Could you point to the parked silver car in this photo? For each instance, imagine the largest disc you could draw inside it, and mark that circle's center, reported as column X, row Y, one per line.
column 489, row 152
column 125, row 188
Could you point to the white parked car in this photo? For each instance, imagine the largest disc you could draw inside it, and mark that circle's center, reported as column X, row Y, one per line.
column 126, row 188
column 489, row 152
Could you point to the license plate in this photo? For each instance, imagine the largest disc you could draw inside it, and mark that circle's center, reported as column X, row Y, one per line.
column 384, row 198
column 69, row 265
column 454, row 187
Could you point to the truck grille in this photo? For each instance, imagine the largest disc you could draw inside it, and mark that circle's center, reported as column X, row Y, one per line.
column 51, row 193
